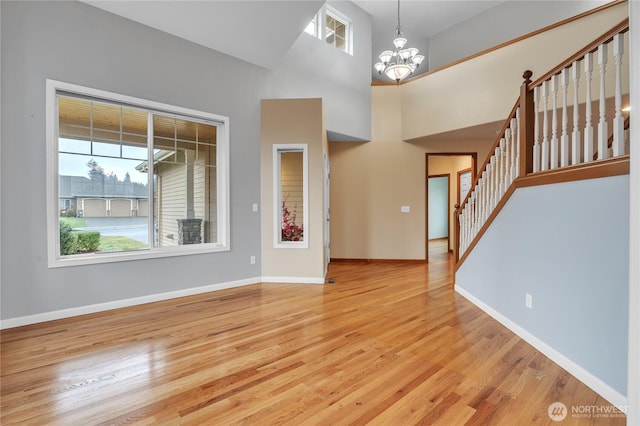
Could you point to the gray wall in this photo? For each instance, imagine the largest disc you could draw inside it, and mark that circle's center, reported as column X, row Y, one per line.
column 314, row 69
column 77, row 43
column 80, row 44
column 568, row 246
column 500, row 24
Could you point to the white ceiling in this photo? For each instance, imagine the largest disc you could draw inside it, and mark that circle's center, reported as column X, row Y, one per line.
column 262, row 31
column 259, row 32
column 422, row 18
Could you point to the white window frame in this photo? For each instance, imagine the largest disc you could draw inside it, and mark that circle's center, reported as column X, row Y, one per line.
column 277, row 195
column 55, row 259
column 339, row 16
column 321, row 26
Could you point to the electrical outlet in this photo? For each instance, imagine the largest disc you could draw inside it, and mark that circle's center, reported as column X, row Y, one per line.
column 405, row 209
column 253, row 260
column 528, row 301
column 255, row 207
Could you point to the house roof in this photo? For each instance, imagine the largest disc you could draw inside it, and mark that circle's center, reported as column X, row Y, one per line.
column 80, row 186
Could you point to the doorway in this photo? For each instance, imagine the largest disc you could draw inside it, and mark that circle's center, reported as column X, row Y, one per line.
column 439, row 190
column 439, row 165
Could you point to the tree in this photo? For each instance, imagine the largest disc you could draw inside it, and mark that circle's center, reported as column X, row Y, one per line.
column 112, row 178
column 127, row 178
column 96, row 172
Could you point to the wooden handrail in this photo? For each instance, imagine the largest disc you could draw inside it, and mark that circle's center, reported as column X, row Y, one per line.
column 501, row 45
column 491, row 151
column 598, row 169
column 621, row 28
column 526, row 130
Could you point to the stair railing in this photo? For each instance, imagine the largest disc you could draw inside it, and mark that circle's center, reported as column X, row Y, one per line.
column 538, row 137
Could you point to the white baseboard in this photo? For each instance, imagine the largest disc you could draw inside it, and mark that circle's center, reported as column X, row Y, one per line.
column 294, row 280
column 107, row 306
column 598, row 386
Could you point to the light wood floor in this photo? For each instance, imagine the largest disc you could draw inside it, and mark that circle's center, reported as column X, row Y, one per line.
column 387, row 344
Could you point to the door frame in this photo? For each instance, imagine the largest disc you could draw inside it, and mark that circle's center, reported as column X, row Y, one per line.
column 474, row 165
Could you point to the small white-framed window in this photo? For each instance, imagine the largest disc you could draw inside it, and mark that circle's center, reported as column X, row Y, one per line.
column 290, row 196
column 129, row 178
column 333, row 27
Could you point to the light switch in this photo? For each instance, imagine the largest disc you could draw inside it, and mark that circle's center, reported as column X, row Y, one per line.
column 405, row 209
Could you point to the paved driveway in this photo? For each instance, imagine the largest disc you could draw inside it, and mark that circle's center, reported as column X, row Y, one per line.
column 131, row 227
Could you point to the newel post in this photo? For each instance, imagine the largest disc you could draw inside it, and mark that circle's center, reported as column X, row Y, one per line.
column 527, row 123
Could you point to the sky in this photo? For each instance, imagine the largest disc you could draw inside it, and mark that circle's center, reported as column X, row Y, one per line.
column 76, row 164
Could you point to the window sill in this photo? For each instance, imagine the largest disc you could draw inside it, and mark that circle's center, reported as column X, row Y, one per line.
column 110, row 257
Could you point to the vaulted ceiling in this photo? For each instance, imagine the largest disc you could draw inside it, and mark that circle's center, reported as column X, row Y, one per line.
column 261, row 32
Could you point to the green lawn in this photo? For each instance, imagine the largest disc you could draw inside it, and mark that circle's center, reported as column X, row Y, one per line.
column 74, row 222
column 120, row 244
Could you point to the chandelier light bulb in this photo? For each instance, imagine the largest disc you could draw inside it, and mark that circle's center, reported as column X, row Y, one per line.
column 399, row 42
column 385, row 56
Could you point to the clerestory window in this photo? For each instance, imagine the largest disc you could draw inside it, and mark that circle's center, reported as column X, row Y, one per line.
column 131, row 179
column 336, row 30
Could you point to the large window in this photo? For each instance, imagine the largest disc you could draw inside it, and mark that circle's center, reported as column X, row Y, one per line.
column 336, row 30
column 129, row 178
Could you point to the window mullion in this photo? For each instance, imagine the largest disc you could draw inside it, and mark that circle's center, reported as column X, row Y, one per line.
column 152, row 182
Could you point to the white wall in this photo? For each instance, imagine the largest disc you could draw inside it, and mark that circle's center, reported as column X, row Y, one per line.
column 314, row 69
column 566, row 245
column 484, row 89
column 499, row 24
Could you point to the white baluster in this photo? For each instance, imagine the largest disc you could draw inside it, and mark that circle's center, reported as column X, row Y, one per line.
column 514, row 150
column 510, row 157
column 588, row 128
column 544, row 158
column 497, row 154
column 576, row 145
column 564, row 139
column 536, row 135
column 490, row 173
column 603, row 140
column 461, row 224
column 503, row 167
column 485, row 198
column 553, row 156
column 461, row 235
column 517, row 132
column 618, row 121
column 474, row 224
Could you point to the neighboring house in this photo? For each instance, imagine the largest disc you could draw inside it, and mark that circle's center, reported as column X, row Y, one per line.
column 102, row 197
column 186, row 189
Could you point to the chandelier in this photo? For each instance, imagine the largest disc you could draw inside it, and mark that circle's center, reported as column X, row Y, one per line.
column 401, row 62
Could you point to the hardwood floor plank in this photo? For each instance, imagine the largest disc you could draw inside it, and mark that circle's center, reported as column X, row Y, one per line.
column 387, row 344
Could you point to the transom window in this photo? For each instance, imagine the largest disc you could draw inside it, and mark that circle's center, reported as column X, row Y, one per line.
column 130, row 178
column 336, row 30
